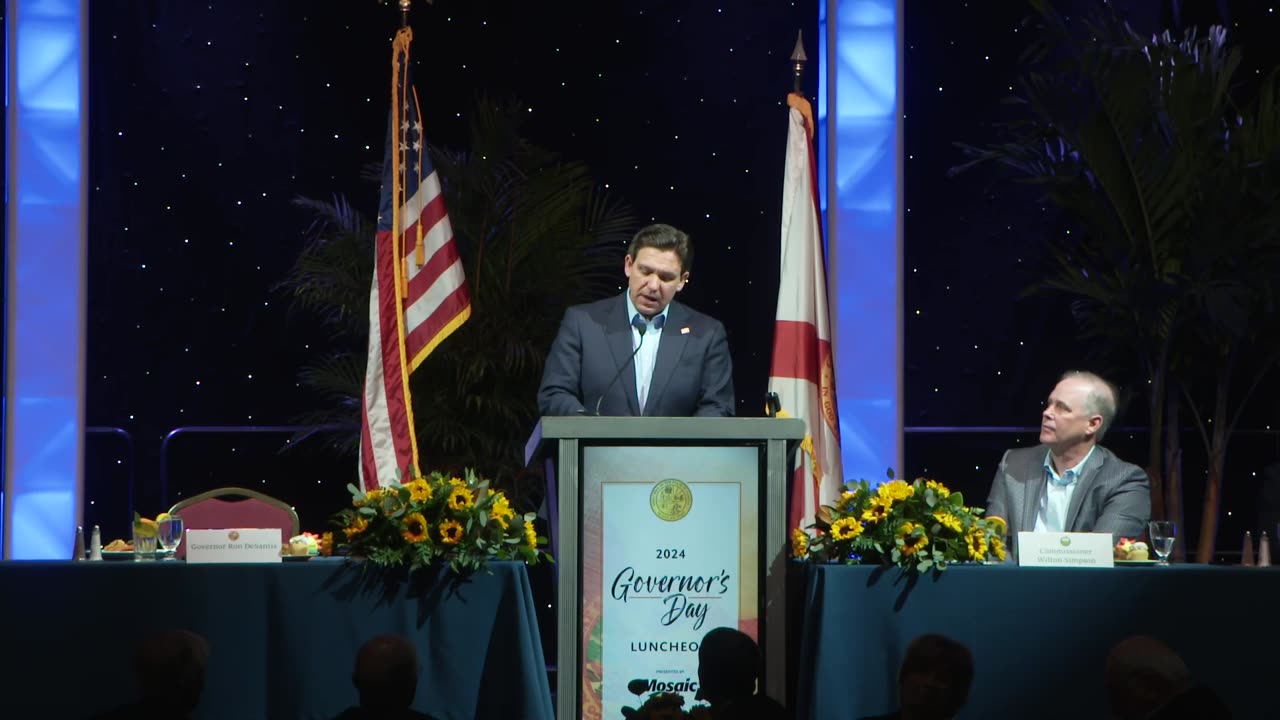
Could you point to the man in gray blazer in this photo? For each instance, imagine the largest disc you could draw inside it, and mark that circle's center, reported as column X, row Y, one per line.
column 639, row 353
column 1069, row 483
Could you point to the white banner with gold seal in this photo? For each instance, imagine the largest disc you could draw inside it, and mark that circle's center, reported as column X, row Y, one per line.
column 673, row 561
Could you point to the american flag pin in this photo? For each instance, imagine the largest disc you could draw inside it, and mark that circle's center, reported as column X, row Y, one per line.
column 684, row 330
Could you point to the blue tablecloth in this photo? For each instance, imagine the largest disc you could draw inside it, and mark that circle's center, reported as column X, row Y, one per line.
column 1039, row 636
column 282, row 637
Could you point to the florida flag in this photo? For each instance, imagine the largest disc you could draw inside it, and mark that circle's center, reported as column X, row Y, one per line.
column 802, row 374
column 419, row 294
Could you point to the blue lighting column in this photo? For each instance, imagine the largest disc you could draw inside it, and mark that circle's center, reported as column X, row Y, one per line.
column 860, row 164
column 46, row 63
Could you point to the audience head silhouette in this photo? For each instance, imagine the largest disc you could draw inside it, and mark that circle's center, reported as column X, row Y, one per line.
column 386, row 674
column 1145, row 678
column 170, row 667
column 934, row 678
column 728, row 661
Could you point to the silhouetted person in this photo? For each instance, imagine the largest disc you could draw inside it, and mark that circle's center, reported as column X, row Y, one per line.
column 170, row 669
column 1147, row 680
column 934, row 680
column 386, row 676
column 728, row 666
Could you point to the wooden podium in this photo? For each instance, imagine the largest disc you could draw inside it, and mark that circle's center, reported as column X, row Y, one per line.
column 663, row 528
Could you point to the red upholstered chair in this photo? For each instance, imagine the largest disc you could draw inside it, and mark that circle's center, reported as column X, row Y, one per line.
column 234, row 507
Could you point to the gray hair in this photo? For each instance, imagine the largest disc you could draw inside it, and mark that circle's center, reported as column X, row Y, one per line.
column 1101, row 400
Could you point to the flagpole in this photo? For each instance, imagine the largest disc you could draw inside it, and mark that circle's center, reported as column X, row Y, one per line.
column 798, row 59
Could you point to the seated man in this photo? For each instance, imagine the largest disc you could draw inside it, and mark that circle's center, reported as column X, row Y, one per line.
column 386, row 676
column 640, row 353
column 1146, row 680
column 934, row 680
column 170, row 670
column 1070, row 483
column 728, row 667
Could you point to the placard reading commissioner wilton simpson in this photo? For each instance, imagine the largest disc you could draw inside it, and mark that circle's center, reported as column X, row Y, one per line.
column 671, row 573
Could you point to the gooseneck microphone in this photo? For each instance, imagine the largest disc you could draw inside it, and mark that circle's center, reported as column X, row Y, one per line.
column 638, row 323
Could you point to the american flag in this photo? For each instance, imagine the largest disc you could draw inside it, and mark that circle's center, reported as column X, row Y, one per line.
column 419, row 294
column 803, row 372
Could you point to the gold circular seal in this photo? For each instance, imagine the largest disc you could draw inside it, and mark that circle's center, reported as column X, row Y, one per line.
column 671, row 499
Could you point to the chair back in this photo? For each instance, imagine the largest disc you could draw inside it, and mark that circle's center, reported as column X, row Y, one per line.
column 233, row 507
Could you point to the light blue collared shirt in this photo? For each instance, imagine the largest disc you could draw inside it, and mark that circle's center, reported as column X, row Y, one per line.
column 648, row 355
column 1056, row 500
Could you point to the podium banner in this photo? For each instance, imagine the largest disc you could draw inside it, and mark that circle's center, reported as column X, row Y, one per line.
column 671, row 551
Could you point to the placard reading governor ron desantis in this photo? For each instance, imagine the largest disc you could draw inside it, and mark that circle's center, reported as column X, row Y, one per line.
column 673, row 567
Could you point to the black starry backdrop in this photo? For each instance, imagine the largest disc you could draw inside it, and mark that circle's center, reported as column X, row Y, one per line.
column 207, row 119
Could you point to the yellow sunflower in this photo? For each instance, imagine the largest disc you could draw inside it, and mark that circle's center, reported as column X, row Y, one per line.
column 461, row 498
column 799, row 543
column 938, row 488
column 846, row 528
column 414, row 528
column 419, row 491
column 910, row 543
column 450, row 532
column 326, row 544
column 530, row 536
column 948, row 521
column 357, row 526
column 896, row 490
column 501, row 510
column 997, row 548
column 457, row 482
column 877, row 511
column 846, row 501
column 370, row 498
column 977, row 541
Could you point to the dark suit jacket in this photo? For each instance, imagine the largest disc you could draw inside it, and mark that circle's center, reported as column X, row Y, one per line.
column 693, row 374
column 1111, row 495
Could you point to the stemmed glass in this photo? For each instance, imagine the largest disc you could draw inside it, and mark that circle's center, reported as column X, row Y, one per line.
column 1162, row 534
column 171, row 529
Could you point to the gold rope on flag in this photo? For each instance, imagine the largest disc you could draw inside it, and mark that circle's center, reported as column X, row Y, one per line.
column 419, row 253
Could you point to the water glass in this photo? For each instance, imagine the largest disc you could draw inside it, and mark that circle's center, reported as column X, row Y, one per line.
column 1162, row 534
column 144, row 547
column 171, row 529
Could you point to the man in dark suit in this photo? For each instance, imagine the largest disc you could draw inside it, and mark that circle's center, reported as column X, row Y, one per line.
column 1070, row 483
column 640, row 353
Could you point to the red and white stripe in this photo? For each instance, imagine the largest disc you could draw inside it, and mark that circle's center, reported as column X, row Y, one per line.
column 402, row 332
column 802, row 371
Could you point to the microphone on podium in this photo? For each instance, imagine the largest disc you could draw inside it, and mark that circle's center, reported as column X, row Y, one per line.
column 638, row 323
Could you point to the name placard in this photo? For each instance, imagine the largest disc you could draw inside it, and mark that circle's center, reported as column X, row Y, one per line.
column 1068, row 549
column 233, row 545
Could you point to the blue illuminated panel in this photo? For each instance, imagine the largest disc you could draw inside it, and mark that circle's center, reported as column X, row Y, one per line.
column 45, row 66
column 859, row 147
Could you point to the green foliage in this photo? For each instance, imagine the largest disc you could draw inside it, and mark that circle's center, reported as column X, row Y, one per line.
column 919, row 526
column 536, row 234
column 1165, row 167
column 437, row 519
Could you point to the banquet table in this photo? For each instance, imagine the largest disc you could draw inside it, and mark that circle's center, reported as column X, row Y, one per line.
column 1039, row 636
column 282, row 637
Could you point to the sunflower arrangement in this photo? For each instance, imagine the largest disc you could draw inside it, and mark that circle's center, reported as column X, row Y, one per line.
column 438, row 519
column 918, row 526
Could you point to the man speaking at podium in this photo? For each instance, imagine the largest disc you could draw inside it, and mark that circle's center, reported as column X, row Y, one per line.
column 640, row 353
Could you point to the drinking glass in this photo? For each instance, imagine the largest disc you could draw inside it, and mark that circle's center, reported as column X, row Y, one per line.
column 171, row 529
column 144, row 547
column 1162, row 534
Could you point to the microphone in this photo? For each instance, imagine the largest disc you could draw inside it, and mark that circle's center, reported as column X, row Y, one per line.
column 638, row 323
